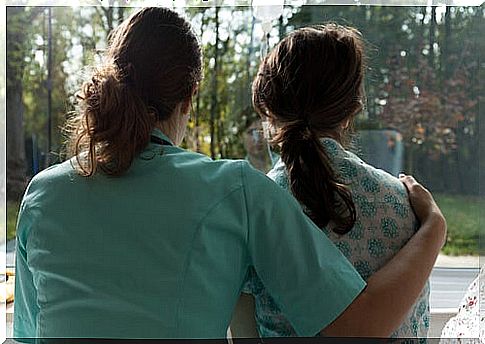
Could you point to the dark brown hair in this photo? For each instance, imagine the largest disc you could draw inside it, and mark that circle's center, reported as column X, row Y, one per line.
column 152, row 64
column 308, row 86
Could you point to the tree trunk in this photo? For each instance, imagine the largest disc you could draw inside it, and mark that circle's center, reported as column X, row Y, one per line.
column 214, row 107
column 220, row 141
column 432, row 36
column 16, row 164
column 121, row 14
column 197, row 106
column 108, row 13
column 16, row 42
column 250, row 48
column 445, row 66
column 281, row 28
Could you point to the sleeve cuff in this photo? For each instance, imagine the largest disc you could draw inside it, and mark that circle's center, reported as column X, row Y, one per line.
column 322, row 309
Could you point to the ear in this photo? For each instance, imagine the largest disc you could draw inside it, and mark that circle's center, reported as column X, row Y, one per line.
column 346, row 123
column 185, row 106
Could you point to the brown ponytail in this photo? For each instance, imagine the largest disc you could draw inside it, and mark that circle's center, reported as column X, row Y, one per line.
column 153, row 63
column 114, row 127
column 308, row 86
column 312, row 179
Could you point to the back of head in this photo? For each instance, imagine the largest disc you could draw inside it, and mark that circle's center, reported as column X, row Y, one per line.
column 152, row 64
column 310, row 86
column 313, row 75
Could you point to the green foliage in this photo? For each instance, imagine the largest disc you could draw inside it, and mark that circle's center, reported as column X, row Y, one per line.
column 12, row 213
column 462, row 215
column 36, row 77
column 233, row 77
column 17, row 45
column 388, row 31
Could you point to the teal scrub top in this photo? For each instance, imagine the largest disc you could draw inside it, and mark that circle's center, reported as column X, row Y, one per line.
column 162, row 251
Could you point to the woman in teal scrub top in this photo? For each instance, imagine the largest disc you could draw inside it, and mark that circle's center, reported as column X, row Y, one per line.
column 135, row 237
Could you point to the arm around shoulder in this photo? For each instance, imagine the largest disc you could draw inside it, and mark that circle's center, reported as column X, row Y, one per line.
column 392, row 290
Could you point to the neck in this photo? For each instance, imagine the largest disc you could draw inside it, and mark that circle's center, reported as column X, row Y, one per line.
column 173, row 129
column 168, row 130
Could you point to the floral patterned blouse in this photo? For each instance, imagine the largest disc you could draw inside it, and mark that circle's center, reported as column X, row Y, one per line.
column 469, row 322
column 385, row 222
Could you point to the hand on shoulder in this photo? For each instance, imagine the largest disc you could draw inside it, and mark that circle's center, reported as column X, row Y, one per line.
column 424, row 205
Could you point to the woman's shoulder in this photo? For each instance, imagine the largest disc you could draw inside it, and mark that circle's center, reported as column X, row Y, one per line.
column 373, row 175
column 236, row 172
column 48, row 182
column 377, row 194
column 55, row 173
column 355, row 171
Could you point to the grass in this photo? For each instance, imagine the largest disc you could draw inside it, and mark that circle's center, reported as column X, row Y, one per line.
column 461, row 212
column 462, row 215
column 12, row 212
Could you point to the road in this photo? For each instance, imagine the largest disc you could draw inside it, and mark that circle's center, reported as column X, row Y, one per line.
column 448, row 286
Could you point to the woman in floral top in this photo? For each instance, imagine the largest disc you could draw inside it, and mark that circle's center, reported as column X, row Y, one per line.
column 470, row 321
column 310, row 88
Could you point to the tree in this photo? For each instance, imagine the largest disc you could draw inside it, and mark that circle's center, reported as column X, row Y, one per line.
column 108, row 14
column 18, row 19
column 214, row 100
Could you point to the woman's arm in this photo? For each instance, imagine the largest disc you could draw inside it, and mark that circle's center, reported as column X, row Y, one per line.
column 243, row 324
column 392, row 290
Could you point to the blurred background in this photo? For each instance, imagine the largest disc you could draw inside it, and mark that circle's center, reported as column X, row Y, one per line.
column 422, row 87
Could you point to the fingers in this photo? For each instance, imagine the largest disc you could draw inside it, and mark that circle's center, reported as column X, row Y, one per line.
column 408, row 180
column 410, row 183
column 423, row 204
column 421, row 199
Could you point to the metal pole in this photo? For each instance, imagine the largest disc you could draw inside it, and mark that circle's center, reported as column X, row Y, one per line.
column 49, row 86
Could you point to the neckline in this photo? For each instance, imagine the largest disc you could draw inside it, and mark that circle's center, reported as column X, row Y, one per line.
column 158, row 137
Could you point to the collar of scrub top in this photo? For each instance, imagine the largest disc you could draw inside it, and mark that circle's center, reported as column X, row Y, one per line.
column 160, row 138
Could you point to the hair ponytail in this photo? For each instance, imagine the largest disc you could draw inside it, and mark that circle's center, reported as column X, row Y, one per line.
column 113, row 126
column 124, row 99
column 312, row 179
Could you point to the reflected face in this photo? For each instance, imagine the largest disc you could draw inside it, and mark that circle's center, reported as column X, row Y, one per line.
column 254, row 140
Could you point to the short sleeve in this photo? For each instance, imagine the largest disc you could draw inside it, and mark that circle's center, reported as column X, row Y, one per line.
column 307, row 276
column 26, row 306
